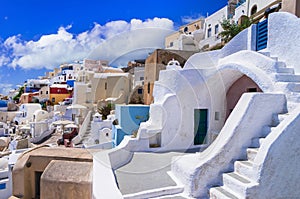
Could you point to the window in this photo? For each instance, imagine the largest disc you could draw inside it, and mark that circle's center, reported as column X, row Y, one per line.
column 217, row 29
column 217, row 116
column 105, row 86
column 46, row 92
column 148, row 88
column 171, row 44
column 140, row 91
column 209, row 33
column 253, row 9
column 141, row 78
column 2, row 186
column 251, row 90
column 53, row 99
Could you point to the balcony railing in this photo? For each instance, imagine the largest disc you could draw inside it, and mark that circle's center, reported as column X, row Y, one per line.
column 240, row 3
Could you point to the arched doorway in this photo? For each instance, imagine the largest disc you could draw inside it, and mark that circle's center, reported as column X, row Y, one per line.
column 243, row 85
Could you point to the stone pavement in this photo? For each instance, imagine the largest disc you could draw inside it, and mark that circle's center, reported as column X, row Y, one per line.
column 146, row 171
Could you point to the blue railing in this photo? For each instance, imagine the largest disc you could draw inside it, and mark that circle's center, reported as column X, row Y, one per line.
column 239, row 3
column 262, row 35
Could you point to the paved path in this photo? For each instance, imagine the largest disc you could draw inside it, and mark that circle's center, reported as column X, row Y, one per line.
column 146, row 171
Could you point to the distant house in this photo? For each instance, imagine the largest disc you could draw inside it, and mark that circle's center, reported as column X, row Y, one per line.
column 180, row 40
column 58, row 92
column 44, row 93
column 67, row 74
column 157, row 62
column 255, row 9
column 34, row 85
column 95, row 65
column 212, row 28
column 111, row 87
column 28, row 97
column 26, row 112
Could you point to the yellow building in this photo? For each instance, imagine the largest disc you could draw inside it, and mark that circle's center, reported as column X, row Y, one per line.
column 58, row 92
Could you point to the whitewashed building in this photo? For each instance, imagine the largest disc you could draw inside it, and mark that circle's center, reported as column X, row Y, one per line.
column 239, row 106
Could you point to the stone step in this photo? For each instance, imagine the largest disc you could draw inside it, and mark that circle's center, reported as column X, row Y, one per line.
column 221, row 193
column 256, row 142
column 153, row 193
column 251, row 153
column 244, row 168
column 274, row 58
column 266, row 130
column 276, row 119
column 285, row 70
column 237, row 183
column 265, row 53
column 286, row 78
column 293, row 97
column 280, row 64
column 288, row 86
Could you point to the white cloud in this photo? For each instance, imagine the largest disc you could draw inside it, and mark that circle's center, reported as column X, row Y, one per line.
column 5, row 88
column 53, row 49
column 4, row 60
column 190, row 19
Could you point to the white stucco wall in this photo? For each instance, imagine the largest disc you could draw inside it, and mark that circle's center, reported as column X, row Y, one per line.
column 80, row 96
column 246, row 40
column 210, row 23
column 283, row 38
column 214, row 19
column 104, row 184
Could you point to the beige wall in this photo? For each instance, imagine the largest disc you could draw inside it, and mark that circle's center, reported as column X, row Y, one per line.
column 172, row 38
column 67, row 180
column 44, row 93
column 79, row 96
column 110, row 86
column 292, row 6
column 36, row 161
column 195, row 25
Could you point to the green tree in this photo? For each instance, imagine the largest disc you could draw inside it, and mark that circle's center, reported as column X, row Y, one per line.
column 231, row 29
column 21, row 91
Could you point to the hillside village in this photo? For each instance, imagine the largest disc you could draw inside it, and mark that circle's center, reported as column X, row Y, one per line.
column 201, row 118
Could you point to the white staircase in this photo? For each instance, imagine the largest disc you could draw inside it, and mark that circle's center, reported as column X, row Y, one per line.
column 286, row 81
column 237, row 183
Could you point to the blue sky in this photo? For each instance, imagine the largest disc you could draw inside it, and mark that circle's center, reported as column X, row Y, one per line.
column 36, row 36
